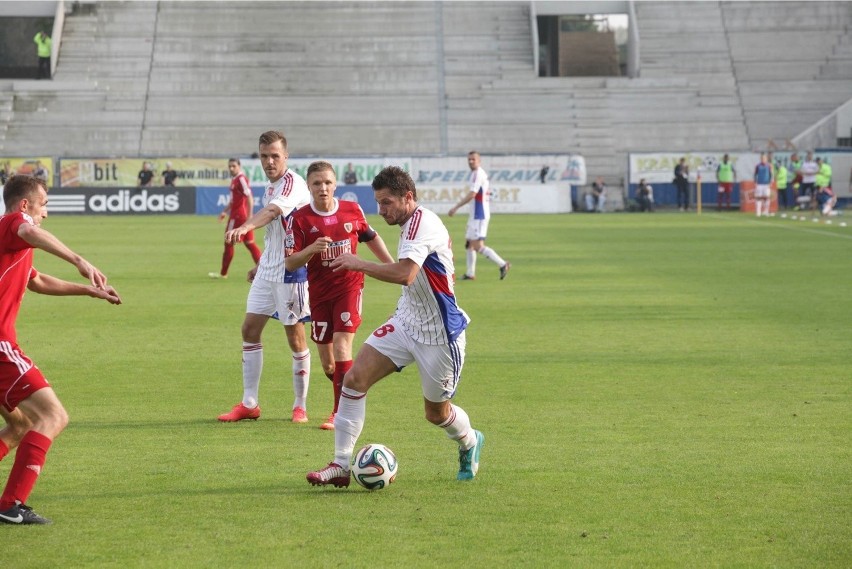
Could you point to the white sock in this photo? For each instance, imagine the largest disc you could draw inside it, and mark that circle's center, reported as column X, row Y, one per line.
column 252, row 366
column 348, row 424
column 492, row 256
column 301, row 378
column 471, row 263
column 458, row 428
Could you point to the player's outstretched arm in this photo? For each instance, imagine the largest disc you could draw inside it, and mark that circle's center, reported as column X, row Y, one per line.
column 46, row 284
column 402, row 272
column 258, row 220
column 46, row 241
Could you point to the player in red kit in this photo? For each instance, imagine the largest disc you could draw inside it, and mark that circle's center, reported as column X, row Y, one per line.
column 33, row 413
column 317, row 234
column 240, row 207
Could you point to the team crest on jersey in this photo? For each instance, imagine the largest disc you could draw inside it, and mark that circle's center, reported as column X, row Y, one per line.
column 347, row 227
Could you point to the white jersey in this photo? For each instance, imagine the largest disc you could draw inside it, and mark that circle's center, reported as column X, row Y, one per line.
column 427, row 307
column 809, row 171
column 478, row 183
column 289, row 193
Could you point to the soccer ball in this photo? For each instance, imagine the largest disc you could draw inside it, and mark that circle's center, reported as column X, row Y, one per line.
column 375, row 467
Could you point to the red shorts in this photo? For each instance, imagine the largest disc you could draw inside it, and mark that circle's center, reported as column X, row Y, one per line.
column 19, row 377
column 343, row 314
column 234, row 222
column 726, row 187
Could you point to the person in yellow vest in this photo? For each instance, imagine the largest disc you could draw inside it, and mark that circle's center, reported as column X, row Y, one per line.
column 726, row 176
column 823, row 176
column 781, row 175
column 44, row 45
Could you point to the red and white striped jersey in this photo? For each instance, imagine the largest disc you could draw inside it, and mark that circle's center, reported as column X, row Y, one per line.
column 289, row 193
column 427, row 307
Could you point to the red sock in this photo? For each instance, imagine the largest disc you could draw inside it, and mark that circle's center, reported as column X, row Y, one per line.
column 254, row 250
column 227, row 257
column 28, row 462
column 4, row 450
column 340, row 369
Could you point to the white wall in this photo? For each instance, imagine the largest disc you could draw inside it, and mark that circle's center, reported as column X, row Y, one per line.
column 26, row 9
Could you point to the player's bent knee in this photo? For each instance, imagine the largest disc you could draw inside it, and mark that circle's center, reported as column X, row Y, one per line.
column 437, row 413
column 356, row 381
column 62, row 420
column 51, row 424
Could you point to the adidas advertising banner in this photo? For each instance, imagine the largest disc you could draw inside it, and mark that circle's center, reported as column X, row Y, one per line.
column 122, row 201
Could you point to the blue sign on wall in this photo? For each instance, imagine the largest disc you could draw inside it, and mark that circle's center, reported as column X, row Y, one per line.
column 364, row 195
column 211, row 200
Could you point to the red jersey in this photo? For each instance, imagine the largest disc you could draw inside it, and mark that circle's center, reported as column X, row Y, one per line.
column 346, row 225
column 240, row 193
column 16, row 270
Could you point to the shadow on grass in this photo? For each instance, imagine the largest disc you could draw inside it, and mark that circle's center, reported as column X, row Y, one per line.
column 84, row 424
column 170, row 492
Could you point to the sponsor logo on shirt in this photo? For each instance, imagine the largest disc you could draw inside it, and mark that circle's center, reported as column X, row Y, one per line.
column 336, row 249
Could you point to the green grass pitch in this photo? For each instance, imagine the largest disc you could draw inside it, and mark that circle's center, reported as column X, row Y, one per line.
column 663, row 390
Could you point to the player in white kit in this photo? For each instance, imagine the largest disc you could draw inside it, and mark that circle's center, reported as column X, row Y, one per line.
column 274, row 292
column 479, row 193
column 428, row 328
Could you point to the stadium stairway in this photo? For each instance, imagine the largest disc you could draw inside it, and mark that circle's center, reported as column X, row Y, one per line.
column 223, row 73
column 789, row 63
column 94, row 104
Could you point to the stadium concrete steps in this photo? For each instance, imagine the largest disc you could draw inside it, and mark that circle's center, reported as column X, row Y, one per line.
column 782, row 61
column 333, row 75
column 310, row 140
column 94, row 104
column 839, row 63
column 762, row 57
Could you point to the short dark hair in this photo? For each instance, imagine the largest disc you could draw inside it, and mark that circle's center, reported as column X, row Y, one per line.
column 395, row 179
column 320, row 166
column 236, row 160
column 20, row 187
column 273, row 136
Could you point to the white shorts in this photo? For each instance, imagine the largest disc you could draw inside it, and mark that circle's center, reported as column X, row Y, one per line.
column 439, row 365
column 761, row 191
column 476, row 229
column 286, row 301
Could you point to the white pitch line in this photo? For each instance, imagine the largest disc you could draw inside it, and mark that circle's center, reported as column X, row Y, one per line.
column 783, row 226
